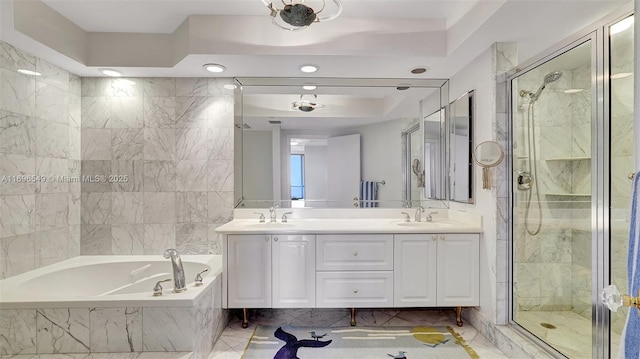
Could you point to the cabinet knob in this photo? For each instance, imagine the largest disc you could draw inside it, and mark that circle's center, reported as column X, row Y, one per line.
column 434, row 238
column 443, row 238
column 355, row 253
column 266, row 239
column 275, row 239
column 355, row 291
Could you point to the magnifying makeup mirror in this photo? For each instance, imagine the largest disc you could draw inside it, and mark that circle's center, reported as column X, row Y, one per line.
column 486, row 155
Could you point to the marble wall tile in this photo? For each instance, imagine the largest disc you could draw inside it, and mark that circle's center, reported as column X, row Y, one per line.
column 96, row 207
column 126, row 207
column 96, row 112
column 74, row 171
column 116, row 329
column 96, row 144
column 96, row 86
column 159, row 112
column 192, row 112
column 168, row 329
column 17, row 215
column 159, row 144
column 55, row 172
column 165, row 87
column 17, row 331
column 75, row 143
column 191, row 144
column 98, row 171
column 191, row 238
column 127, row 144
column 159, row 176
column 159, row 207
column 52, row 246
column 75, row 111
column 17, row 93
column 52, row 139
column 220, row 175
column 220, row 207
column 52, row 103
column 95, row 239
column 18, row 254
column 12, row 58
column 133, row 170
column 158, row 238
column 191, row 175
column 63, row 330
column 17, row 134
column 221, row 112
column 126, row 112
column 127, row 239
column 52, row 75
column 220, row 143
column 75, row 232
column 126, row 87
column 191, row 207
column 17, row 165
column 221, row 86
column 75, row 85
column 192, row 86
column 214, row 239
column 52, row 211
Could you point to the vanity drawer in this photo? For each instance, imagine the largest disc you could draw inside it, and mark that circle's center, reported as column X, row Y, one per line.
column 354, row 289
column 354, row 252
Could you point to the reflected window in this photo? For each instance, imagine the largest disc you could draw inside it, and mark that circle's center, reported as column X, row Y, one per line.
column 297, row 176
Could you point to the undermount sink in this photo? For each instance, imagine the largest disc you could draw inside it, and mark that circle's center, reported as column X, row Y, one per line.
column 425, row 224
column 267, row 225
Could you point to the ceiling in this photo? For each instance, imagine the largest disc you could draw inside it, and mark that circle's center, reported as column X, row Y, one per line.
column 371, row 39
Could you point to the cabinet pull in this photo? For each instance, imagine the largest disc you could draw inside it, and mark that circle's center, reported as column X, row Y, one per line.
column 266, row 239
column 275, row 239
column 355, row 253
column 443, row 238
column 355, row 291
column 434, row 238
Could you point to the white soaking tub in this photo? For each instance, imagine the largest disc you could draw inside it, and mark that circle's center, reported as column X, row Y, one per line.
column 106, row 304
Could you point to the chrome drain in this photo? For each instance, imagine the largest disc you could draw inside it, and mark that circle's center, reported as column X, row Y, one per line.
column 548, row 325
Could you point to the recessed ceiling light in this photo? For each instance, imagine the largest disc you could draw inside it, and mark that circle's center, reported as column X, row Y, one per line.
column 294, row 143
column 573, row 90
column 215, row 68
column 230, row 86
column 621, row 25
column 29, row 72
column 309, row 87
column 621, row 75
column 419, row 70
column 111, row 72
column 308, row 68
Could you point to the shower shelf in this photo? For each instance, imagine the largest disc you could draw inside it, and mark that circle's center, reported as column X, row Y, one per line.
column 569, row 194
column 569, row 159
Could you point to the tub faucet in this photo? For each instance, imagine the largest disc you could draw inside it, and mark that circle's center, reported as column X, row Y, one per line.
column 419, row 211
column 179, row 285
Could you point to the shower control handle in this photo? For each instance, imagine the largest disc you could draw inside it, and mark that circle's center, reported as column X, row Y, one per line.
column 524, row 180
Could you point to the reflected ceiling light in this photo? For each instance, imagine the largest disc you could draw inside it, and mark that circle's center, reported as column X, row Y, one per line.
column 215, row 68
column 621, row 25
column 573, row 90
column 295, row 15
column 230, row 86
column 110, row 72
column 29, row 72
column 307, row 103
column 125, row 82
column 309, row 87
column 419, row 70
column 294, row 143
column 308, row 69
column 621, row 75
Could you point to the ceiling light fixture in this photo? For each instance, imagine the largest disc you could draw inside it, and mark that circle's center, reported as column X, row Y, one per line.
column 110, row 72
column 621, row 75
column 402, row 88
column 309, row 87
column 215, row 68
column 295, row 15
column 621, row 25
column 29, row 72
column 419, row 70
column 307, row 103
column 308, row 69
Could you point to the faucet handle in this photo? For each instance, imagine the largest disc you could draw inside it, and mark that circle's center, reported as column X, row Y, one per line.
column 198, row 279
column 261, row 216
column 157, row 289
column 284, row 216
column 407, row 217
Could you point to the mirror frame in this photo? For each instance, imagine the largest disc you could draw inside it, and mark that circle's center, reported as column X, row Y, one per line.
column 470, row 96
column 241, row 82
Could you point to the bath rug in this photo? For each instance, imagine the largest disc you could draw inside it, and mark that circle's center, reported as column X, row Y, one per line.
column 418, row 342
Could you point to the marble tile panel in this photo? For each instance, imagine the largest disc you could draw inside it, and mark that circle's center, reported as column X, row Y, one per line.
column 52, row 211
column 63, row 330
column 126, row 207
column 127, row 144
column 96, row 207
column 96, row 239
column 75, row 85
column 17, row 331
column 217, row 86
column 191, row 86
column 159, row 144
column 16, row 165
column 126, row 87
column 127, row 112
column 18, row 255
column 116, row 329
column 52, row 75
column 75, row 111
column 159, row 112
column 17, row 215
column 75, row 143
column 17, row 93
column 52, row 103
column 191, row 207
column 133, row 170
column 52, row 139
column 220, row 143
column 191, row 112
column 95, row 174
column 215, row 239
column 581, row 140
column 159, row 237
column 220, row 207
column 127, row 239
column 17, row 134
column 96, row 86
column 159, row 207
column 165, row 87
column 168, row 329
column 75, row 186
column 75, row 232
column 191, row 175
column 191, row 144
column 52, row 246
column 159, row 176
column 191, row 238
column 221, row 112
column 220, row 175
column 14, row 59
column 96, row 144
column 96, row 112
column 55, row 175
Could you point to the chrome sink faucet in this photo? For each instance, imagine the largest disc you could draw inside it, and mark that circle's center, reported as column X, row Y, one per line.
column 419, row 211
column 429, row 218
column 272, row 211
column 179, row 283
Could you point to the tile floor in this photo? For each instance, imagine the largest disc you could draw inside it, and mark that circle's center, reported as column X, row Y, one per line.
column 234, row 339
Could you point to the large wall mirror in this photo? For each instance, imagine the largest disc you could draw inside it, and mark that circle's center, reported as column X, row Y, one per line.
column 461, row 156
column 336, row 143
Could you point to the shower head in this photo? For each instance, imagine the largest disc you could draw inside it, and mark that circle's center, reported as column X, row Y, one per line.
column 552, row 77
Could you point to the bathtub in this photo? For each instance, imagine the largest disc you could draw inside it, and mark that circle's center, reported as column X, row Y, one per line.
column 106, row 304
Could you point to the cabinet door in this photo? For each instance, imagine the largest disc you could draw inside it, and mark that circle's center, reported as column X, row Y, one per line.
column 414, row 270
column 294, row 271
column 458, row 270
column 249, row 271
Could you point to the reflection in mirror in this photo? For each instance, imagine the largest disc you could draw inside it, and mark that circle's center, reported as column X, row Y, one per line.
column 461, row 139
column 412, row 152
column 340, row 147
column 434, row 155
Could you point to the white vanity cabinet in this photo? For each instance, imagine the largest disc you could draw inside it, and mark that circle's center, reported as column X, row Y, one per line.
column 436, row 270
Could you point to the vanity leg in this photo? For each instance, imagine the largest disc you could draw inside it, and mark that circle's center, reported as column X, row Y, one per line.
column 459, row 316
column 353, row 317
column 245, row 320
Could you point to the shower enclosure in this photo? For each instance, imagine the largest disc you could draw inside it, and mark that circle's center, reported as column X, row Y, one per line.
column 571, row 136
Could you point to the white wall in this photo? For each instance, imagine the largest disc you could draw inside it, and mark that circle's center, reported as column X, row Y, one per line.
column 315, row 173
column 257, row 165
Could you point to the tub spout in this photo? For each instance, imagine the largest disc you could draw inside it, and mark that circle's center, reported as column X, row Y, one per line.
column 179, row 285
